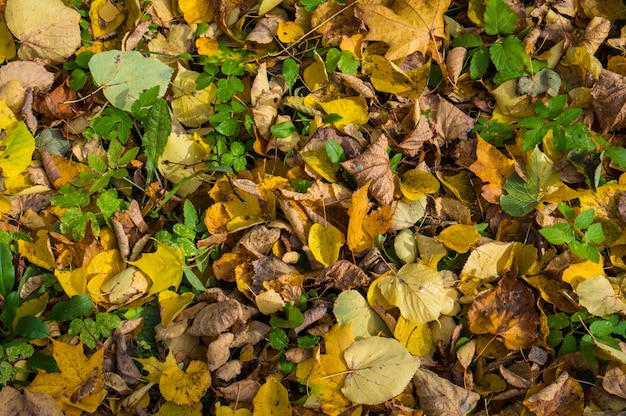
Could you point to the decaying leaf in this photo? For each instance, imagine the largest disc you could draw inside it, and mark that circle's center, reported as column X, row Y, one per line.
column 508, row 312
column 439, row 396
column 565, row 395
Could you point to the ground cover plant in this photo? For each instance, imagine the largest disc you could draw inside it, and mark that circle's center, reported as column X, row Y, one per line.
column 304, row 207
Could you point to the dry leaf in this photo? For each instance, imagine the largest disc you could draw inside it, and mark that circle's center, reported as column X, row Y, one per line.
column 439, row 396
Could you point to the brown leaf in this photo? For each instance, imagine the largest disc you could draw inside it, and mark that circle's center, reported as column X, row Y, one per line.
column 31, row 403
column 614, row 380
column 372, row 167
column 343, row 275
column 508, row 312
column 563, row 397
column 216, row 318
column 439, row 396
column 609, row 100
column 449, row 121
column 240, row 391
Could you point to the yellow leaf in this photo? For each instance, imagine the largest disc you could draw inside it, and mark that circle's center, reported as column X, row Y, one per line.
column 417, row 290
column 155, row 367
column 103, row 265
column 191, row 106
column 380, row 368
column 78, row 386
column 315, row 74
column 196, row 11
column 182, row 154
column 353, row 110
column 207, row 46
column 288, row 32
column 227, row 411
column 125, row 287
column 430, row 250
column 173, row 409
column 325, row 243
column 352, row 309
column 105, row 17
column 598, row 296
column 185, row 387
column 489, row 261
column 493, row 168
column 388, row 77
column 415, row 336
column 459, row 237
column 40, row 252
column 578, row 272
column 272, row 399
column 171, row 304
column 408, row 27
column 32, row 307
column 7, row 46
column 319, row 161
column 17, row 145
column 164, row 267
column 416, row 183
column 363, row 227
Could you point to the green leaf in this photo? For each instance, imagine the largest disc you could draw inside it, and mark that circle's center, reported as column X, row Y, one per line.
column 75, row 221
column 568, row 346
column 227, row 88
column 585, row 251
column 70, row 196
column 78, row 79
column 558, row 321
column 332, row 59
column 278, row 339
column 558, row 233
column 498, row 18
column 556, row 105
column 96, row 163
column 519, row 201
column 601, row 328
column 7, row 271
column 310, row 5
column 83, row 58
column 348, row 64
column 554, row 338
column 190, row 214
column 64, row 311
column 31, row 327
column 109, row 203
column 113, row 123
column 568, row 116
column 532, row 122
column 332, row 118
column 617, row 155
column 584, row 219
column 9, row 309
column 124, row 75
column 141, row 106
column 282, row 130
column 509, row 56
column 567, row 211
column 232, row 67
column 467, row 40
column 293, row 318
column 334, row 151
column 479, row 62
column 290, row 72
column 158, row 126
column 308, row 341
column 594, row 234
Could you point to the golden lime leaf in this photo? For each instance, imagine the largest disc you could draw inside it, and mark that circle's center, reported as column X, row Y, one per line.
column 405, row 246
column 185, row 387
column 430, row 250
column 576, row 273
column 171, row 304
column 39, row 252
column 196, row 11
column 272, row 399
column 487, row 262
column 459, row 237
column 417, row 290
column 17, row 147
column 598, row 296
column 319, row 161
column 351, row 308
column 173, row 409
column 415, row 336
column 164, row 267
column 289, row 32
column 191, row 106
column 7, row 47
column 125, row 287
column 325, row 243
column 353, row 110
column 7, row 118
column 379, row 369
column 416, row 183
column 105, row 17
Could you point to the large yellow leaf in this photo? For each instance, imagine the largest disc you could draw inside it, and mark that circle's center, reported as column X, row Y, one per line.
column 39, row 253
column 164, row 267
column 272, row 399
column 325, row 243
column 185, row 387
column 17, row 145
column 415, row 336
column 191, row 106
column 78, row 386
column 417, row 290
column 47, row 29
column 380, row 368
column 408, row 26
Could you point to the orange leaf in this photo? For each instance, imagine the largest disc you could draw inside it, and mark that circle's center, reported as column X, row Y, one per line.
column 362, row 228
column 493, row 168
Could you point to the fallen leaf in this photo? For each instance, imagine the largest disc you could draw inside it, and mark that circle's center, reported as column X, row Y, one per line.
column 372, row 167
column 272, row 399
column 171, row 304
column 191, row 106
column 508, row 312
column 415, row 336
column 598, row 296
column 417, row 290
column 164, row 267
column 493, row 168
column 185, row 387
column 74, row 370
column 47, row 29
column 352, row 309
column 28, row 403
column 564, row 396
column 379, row 369
column 438, row 396
column 417, row 183
column 459, row 237
column 363, row 227
column 406, row 27
column 325, row 243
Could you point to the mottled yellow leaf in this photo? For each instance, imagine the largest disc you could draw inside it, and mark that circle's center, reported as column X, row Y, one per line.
column 173, row 409
column 415, row 336
column 38, row 252
column 185, row 387
column 164, row 267
column 105, row 17
column 459, row 237
column 196, row 11
column 319, row 161
column 289, row 32
column 171, row 304
column 416, row 183
column 598, row 296
column 353, row 110
column 272, row 399
column 325, row 243
column 17, row 145
column 191, row 106
column 578, row 272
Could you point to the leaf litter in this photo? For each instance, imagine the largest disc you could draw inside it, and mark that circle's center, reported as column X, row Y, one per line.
column 252, row 208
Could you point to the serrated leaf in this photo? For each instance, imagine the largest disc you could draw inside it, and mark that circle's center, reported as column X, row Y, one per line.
column 594, row 234
column 601, row 329
column 31, row 327
column 467, row 40
column 479, row 62
column 584, row 219
column 380, row 368
column 558, row 233
column 498, row 18
column 509, row 56
column 158, row 126
column 617, row 155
